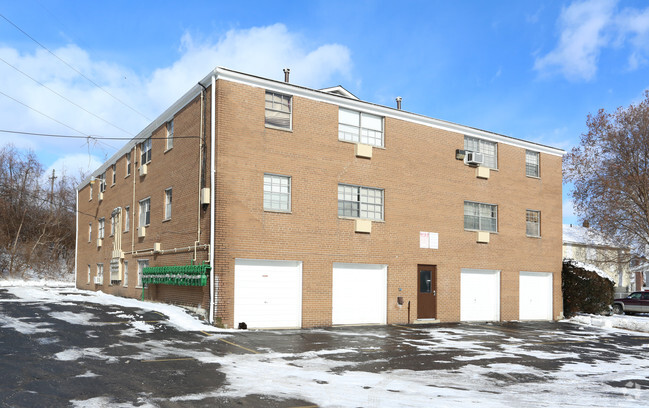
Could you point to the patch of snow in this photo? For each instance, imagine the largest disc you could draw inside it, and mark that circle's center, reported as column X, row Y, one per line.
column 74, row 354
column 50, row 283
column 23, row 327
column 87, row 374
column 587, row 236
column 638, row 323
column 75, row 317
column 105, row 402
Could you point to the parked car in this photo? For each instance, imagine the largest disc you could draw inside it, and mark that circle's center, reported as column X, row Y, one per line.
column 637, row 302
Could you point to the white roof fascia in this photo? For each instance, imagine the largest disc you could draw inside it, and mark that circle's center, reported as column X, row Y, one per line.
column 379, row 110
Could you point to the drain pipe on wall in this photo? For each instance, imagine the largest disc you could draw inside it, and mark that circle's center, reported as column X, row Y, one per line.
column 212, row 203
column 76, row 244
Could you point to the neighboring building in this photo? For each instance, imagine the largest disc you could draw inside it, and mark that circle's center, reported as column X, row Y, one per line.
column 317, row 209
column 639, row 267
column 593, row 248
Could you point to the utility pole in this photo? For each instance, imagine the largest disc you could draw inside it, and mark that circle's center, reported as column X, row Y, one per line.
column 52, row 190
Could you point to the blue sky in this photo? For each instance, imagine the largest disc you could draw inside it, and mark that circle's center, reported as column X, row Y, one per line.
column 531, row 70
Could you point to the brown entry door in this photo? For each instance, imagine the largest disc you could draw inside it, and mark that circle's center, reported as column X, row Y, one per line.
column 427, row 291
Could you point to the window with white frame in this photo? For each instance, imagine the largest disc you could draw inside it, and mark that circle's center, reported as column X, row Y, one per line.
column 113, row 220
column 128, row 164
column 88, row 273
column 145, row 212
column 533, row 223
column 168, row 204
column 277, row 193
column 100, row 273
column 89, row 231
column 125, row 273
column 531, row 163
column 359, row 127
column 488, row 149
column 100, row 232
column 480, row 216
column 170, row 134
column 114, row 173
column 91, row 190
column 102, row 182
column 127, row 218
column 145, row 149
column 360, row 202
column 278, row 110
column 141, row 264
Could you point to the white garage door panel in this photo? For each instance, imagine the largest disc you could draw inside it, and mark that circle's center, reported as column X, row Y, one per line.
column 359, row 294
column 479, row 295
column 535, row 296
column 268, row 294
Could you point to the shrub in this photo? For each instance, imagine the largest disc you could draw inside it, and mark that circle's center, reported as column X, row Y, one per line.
column 584, row 290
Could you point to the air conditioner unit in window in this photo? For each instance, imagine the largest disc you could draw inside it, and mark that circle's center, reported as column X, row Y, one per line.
column 141, row 232
column 474, row 158
column 143, row 170
column 99, row 280
column 101, row 196
column 100, row 242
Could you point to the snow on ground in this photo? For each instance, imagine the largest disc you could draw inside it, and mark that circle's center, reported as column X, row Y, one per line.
column 51, row 291
column 639, row 323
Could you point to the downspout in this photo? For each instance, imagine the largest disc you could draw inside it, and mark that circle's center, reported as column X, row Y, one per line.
column 133, row 162
column 212, row 204
column 201, row 145
column 76, row 244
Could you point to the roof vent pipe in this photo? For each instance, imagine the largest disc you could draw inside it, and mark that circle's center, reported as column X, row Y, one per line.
column 399, row 102
column 286, row 72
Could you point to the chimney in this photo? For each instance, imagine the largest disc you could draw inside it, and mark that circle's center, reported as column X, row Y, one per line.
column 286, row 72
column 586, row 224
column 399, row 102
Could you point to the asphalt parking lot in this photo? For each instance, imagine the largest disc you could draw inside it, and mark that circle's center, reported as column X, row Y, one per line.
column 63, row 353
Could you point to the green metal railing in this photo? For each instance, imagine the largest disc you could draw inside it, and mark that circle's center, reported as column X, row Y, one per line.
column 185, row 275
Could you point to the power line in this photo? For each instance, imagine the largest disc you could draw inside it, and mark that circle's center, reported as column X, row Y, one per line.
column 97, row 138
column 63, row 97
column 74, row 69
column 47, row 116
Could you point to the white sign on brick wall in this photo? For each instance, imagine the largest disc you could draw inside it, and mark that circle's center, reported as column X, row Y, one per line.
column 428, row 240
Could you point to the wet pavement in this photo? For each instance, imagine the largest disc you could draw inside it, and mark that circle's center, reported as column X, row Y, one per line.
column 87, row 354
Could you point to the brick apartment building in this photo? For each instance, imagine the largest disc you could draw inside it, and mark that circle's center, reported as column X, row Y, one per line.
column 315, row 208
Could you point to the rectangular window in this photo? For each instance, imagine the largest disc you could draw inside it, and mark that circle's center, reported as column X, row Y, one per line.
column 114, row 173
column 100, row 233
column 533, row 220
column 145, row 212
column 277, row 193
column 100, row 273
column 170, row 134
column 168, row 204
column 91, row 182
column 102, row 182
column 360, row 202
column 141, row 264
column 360, row 127
column 128, row 164
column 531, row 163
column 113, row 219
column 145, row 149
column 127, row 218
column 481, row 217
column 487, row 148
column 88, row 273
column 278, row 110
column 89, row 232
column 125, row 273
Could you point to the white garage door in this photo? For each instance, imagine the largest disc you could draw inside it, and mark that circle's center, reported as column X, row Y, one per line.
column 535, row 296
column 359, row 294
column 268, row 294
column 480, row 295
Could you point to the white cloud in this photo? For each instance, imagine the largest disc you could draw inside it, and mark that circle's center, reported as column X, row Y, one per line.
column 583, row 34
column 76, row 166
column 260, row 51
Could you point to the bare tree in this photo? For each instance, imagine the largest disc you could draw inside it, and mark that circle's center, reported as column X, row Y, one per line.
column 610, row 172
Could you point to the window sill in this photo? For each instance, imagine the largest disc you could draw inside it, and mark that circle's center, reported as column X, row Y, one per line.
column 278, row 211
column 127, row 176
column 359, row 218
column 533, row 236
column 167, row 150
column 533, row 177
column 290, row 130
column 166, row 220
column 355, row 143
column 476, row 230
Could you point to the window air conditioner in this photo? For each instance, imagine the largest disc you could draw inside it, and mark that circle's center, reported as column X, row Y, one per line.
column 143, row 170
column 141, row 232
column 474, row 158
column 99, row 280
column 101, row 196
column 100, row 242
